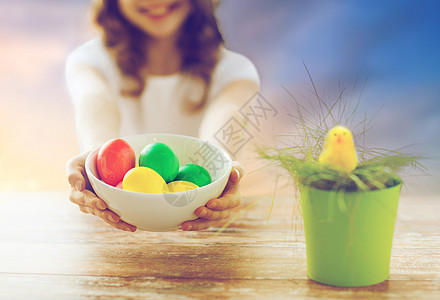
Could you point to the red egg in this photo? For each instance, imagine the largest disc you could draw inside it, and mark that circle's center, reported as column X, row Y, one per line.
column 115, row 158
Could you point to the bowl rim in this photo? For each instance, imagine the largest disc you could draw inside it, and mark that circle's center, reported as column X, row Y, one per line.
column 96, row 149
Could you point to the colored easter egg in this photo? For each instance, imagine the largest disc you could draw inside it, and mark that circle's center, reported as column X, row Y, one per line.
column 144, row 180
column 115, row 158
column 160, row 157
column 181, row 186
column 195, row 174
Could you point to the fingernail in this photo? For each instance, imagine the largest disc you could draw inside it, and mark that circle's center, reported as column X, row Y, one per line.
column 101, row 206
column 237, row 172
column 212, row 205
column 203, row 213
column 112, row 219
column 78, row 186
column 187, row 228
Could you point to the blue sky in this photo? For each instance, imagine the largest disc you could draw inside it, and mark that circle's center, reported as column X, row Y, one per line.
column 388, row 40
column 391, row 47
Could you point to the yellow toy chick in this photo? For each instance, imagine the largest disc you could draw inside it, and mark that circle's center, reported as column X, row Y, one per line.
column 339, row 150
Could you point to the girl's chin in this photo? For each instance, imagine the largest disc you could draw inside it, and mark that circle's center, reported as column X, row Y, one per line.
column 160, row 34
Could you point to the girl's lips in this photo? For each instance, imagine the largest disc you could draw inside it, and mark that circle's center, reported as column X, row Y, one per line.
column 159, row 11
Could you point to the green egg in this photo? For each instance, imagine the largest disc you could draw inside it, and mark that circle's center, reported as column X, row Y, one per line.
column 160, row 158
column 195, row 174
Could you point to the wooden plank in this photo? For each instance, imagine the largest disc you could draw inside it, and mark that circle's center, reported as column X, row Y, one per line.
column 47, row 245
column 54, row 286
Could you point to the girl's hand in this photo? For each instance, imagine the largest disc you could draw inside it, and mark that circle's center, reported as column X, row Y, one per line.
column 220, row 209
column 81, row 193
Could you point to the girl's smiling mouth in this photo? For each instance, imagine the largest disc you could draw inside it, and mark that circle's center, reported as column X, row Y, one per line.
column 160, row 10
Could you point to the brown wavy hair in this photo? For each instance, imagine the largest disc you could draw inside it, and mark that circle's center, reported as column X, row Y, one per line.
column 199, row 44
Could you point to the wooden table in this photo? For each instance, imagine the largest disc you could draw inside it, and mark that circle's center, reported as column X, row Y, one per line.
column 48, row 249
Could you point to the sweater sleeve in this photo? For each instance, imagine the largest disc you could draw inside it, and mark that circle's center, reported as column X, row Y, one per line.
column 232, row 67
column 235, row 80
column 96, row 112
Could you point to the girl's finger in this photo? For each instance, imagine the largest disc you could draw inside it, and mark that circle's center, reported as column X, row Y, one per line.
column 113, row 219
column 75, row 171
column 229, row 200
column 237, row 171
column 76, row 180
column 232, row 185
column 198, row 224
column 84, row 209
column 109, row 217
column 87, row 198
column 207, row 214
column 124, row 226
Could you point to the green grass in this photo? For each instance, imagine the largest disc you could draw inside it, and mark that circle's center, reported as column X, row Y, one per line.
column 379, row 172
column 377, row 168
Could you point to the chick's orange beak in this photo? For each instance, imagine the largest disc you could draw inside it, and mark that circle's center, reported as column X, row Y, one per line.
column 339, row 139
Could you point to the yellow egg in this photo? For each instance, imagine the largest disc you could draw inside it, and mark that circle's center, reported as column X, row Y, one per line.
column 144, row 180
column 181, row 186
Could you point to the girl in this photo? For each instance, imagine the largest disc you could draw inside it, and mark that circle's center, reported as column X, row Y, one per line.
column 158, row 66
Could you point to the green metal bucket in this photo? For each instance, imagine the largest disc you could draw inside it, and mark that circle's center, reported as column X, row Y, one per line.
column 349, row 235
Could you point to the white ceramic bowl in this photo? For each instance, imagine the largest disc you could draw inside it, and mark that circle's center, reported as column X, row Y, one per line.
column 165, row 212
